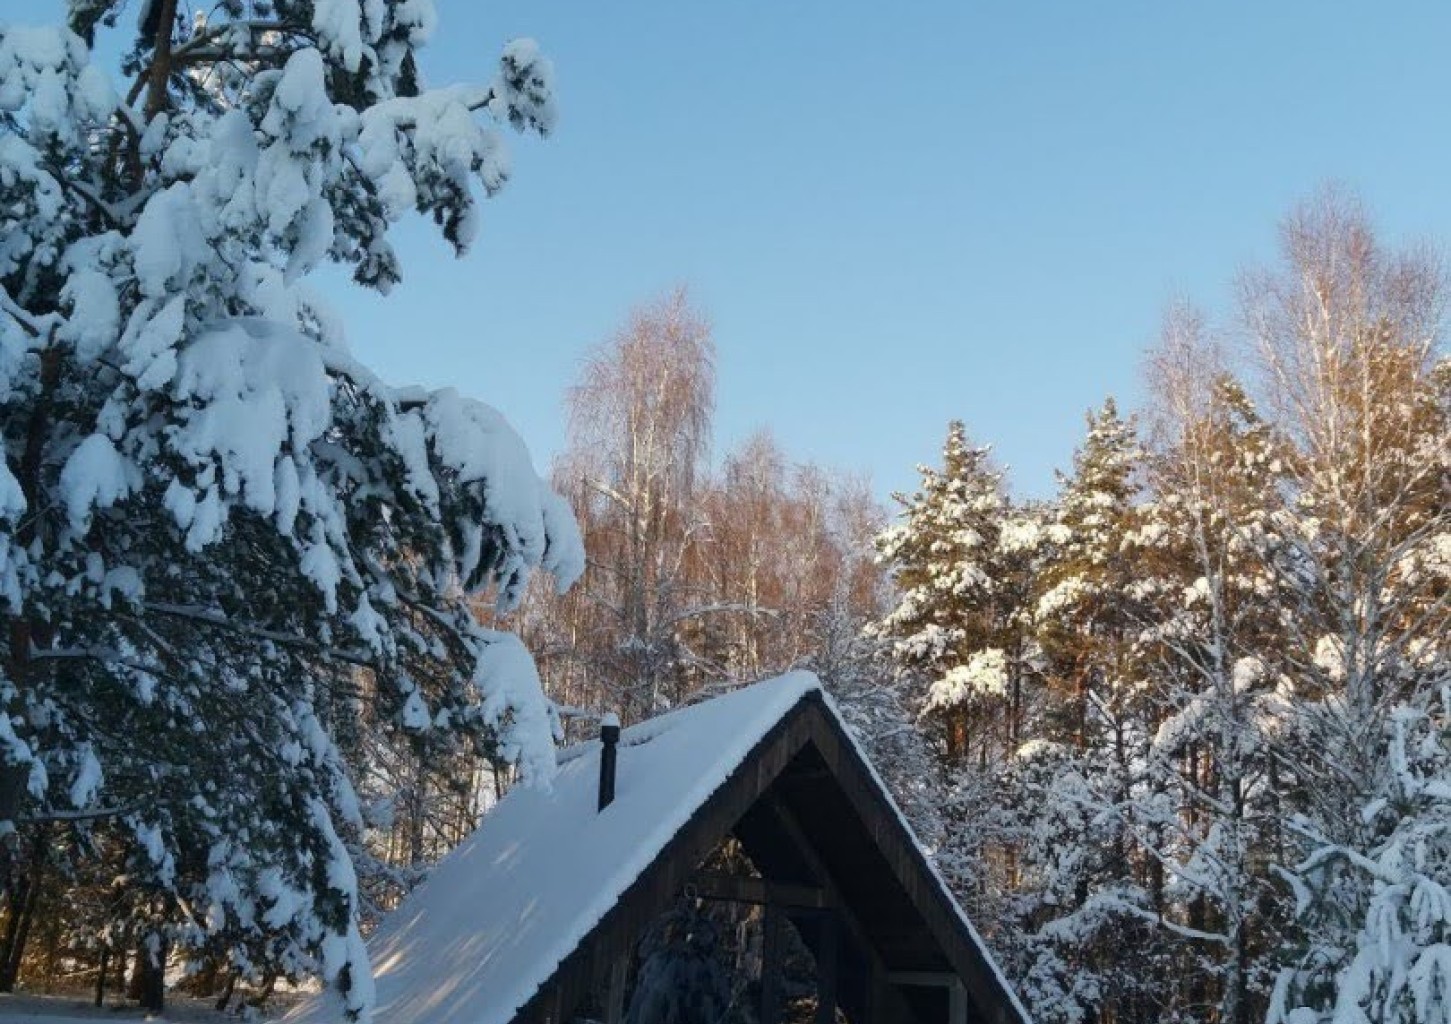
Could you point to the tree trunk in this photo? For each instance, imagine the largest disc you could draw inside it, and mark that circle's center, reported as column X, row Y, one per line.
column 17, row 929
column 159, row 73
column 122, row 958
column 17, row 954
column 151, row 975
column 957, row 736
column 203, row 982
column 101, row 977
column 227, row 991
column 51, row 936
column 14, row 911
column 24, row 633
column 1081, row 710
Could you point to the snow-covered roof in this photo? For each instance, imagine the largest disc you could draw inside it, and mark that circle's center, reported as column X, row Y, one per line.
column 499, row 914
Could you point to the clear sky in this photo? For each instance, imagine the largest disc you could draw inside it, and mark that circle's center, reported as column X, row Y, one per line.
column 900, row 213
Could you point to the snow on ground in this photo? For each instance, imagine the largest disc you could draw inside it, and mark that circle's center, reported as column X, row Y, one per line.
column 36, row 1009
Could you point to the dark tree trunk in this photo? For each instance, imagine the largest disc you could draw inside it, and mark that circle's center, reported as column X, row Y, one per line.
column 227, row 990
column 17, row 929
column 15, row 904
column 101, row 977
column 151, row 977
column 17, row 955
column 51, row 935
column 23, row 632
column 120, row 964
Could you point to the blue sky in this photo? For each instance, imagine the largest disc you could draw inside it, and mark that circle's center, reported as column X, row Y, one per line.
column 897, row 214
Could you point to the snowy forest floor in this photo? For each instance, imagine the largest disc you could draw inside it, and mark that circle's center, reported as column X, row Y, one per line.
column 35, row 1009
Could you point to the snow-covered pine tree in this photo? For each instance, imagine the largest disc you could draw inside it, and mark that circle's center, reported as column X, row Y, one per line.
column 683, row 977
column 1084, row 894
column 961, row 638
column 1085, row 618
column 227, row 549
column 944, row 627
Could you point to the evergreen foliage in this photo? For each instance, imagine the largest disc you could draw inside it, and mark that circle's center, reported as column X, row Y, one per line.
column 1226, row 798
column 230, row 555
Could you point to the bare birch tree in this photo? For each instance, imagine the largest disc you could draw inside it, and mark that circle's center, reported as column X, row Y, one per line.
column 1347, row 333
column 640, row 420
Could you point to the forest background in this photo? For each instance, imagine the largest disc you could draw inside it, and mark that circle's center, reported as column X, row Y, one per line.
column 1177, row 734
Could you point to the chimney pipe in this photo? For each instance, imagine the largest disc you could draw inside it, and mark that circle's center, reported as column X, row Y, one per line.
column 609, row 745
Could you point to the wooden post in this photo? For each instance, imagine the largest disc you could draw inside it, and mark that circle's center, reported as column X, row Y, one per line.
column 826, row 971
column 957, row 1002
column 876, row 993
column 773, row 952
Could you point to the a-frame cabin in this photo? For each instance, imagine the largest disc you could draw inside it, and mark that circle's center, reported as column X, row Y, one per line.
column 537, row 918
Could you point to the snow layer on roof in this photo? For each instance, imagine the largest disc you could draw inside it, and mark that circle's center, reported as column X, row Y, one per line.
column 498, row 914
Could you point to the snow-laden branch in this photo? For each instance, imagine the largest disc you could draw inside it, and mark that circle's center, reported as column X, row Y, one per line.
column 53, row 817
column 211, row 617
column 1170, row 925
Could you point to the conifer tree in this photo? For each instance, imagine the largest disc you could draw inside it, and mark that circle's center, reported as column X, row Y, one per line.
column 961, row 635
column 228, row 551
column 944, row 626
column 1086, row 899
column 1085, row 618
column 1228, row 799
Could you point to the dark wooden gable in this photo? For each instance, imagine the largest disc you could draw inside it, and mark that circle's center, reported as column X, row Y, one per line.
column 816, row 822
